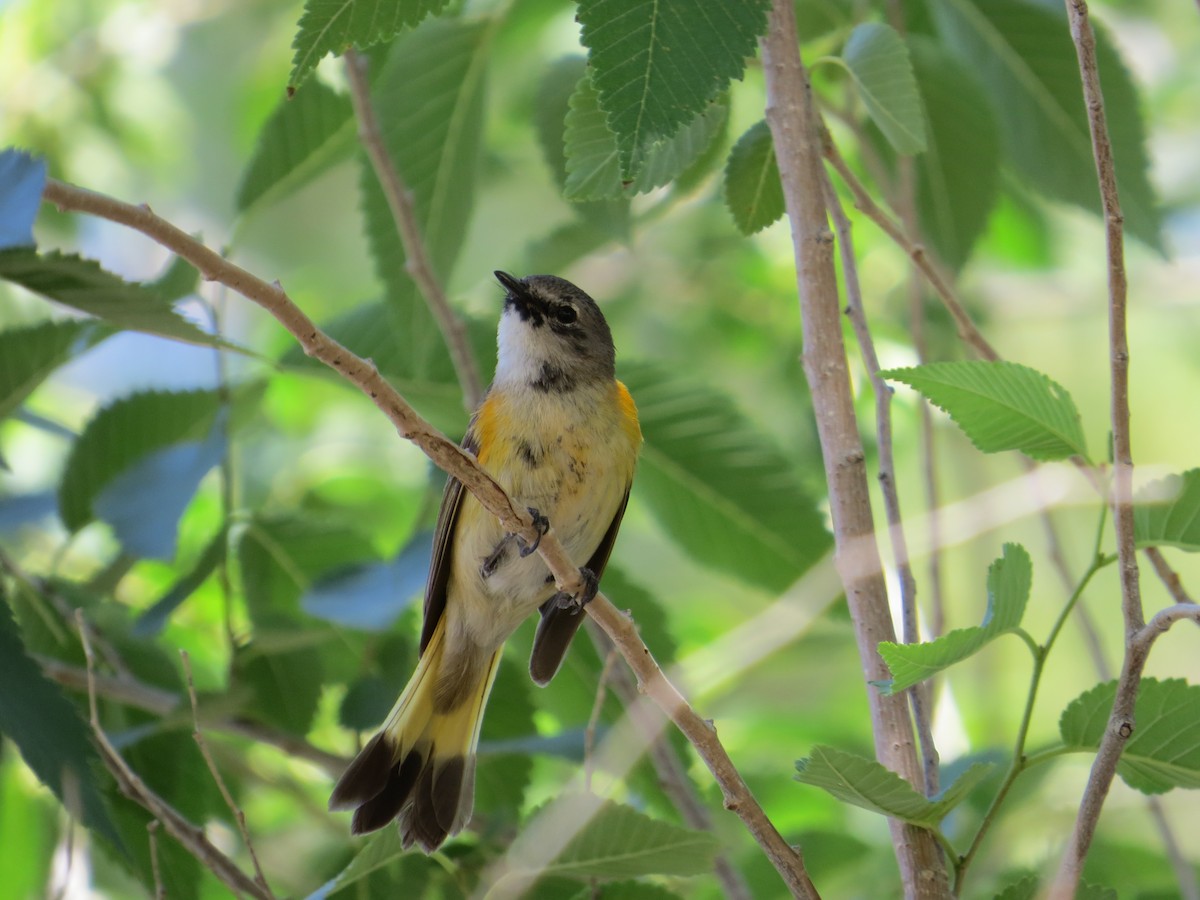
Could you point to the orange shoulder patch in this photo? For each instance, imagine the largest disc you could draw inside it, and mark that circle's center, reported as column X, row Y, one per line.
column 486, row 427
column 629, row 416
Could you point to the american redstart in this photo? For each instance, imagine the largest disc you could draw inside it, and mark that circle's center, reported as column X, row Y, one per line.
column 560, row 434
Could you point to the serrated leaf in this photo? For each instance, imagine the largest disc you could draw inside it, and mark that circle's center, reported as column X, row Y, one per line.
column 371, row 597
column 958, row 174
column 658, row 63
column 284, row 684
column 719, row 486
column 1002, row 406
column 120, row 435
column 1164, row 750
column 29, row 355
column 1166, row 513
column 45, row 727
column 303, row 137
column 753, row 191
column 331, row 26
column 877, row 59
column 1026, row 60
column 593, row 172
column 1008, row 582
column 144, row 502
column 81, row 284
column 1025, row 889
column 616, row 842
column 598, row 222
column 22, row 179
column 870, row 785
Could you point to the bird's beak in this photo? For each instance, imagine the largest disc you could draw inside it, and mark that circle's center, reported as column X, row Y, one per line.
column 509, row 283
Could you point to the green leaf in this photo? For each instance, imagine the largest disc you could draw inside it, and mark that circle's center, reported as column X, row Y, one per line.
column 591, row 149
column 719, row 486
column 154, row 619
column 332, row 26
column 303, row 137
column 1164, row 750
column 45, row 727
column 877, row 60
column 1002, row 406
column 1008, row 583
column 616, row 842
column 285, row 685
column 958, row 174
column 868, row 784
column 502, row 778
column 598, row 222
column 380, row 851
column 753, row 191
column 1024, row 55
column 29, row 355
column 279, row 558
column 81, row 284
column 1167, row 513
column 120, row 435
column 179, row 279
column 1025, row 889
column 658, row 63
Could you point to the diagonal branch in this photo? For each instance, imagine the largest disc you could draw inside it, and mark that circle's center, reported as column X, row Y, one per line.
column 793, row 125
column 463, row 466
column 404, row 213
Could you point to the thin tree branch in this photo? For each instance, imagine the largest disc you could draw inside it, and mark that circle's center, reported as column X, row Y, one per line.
column 130, row 692
column 589, row 733
column 672, row 776
column 1168, row 576
column 463, row 466
column 188, row 835
column 238, row 815
column 1121, row 719
column 404, row 214
column 873, row 211
column 920, row 695
column 793, row 125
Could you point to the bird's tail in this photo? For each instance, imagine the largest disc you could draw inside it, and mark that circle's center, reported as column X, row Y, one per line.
column 420, row 768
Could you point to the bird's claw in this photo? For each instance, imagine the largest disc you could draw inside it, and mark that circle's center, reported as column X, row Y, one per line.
column 576, row 602
column 542, row 524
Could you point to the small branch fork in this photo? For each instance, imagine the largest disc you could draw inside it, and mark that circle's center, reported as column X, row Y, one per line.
column 461, row 465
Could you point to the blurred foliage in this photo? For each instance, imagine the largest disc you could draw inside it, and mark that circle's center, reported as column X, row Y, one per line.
column 173, row 466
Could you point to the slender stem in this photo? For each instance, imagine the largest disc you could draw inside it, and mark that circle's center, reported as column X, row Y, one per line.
column 919, row 694
column 404, row 213
column 793, row 125
column 1020, row 762
column 463, row 466
column 1121, row 719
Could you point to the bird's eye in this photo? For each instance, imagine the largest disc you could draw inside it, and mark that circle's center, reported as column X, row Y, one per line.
column 566, row 314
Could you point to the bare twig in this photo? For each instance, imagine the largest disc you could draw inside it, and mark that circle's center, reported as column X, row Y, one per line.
column 463, row 466
column 188, row 835
column 873, row 211
column 792, row 121
column 238, row 815
column 1121, row 719
column 672, row 776
column 404, row 213
column 160, row 892
column 920, row 695
column 1168, row 576
column 589, row 733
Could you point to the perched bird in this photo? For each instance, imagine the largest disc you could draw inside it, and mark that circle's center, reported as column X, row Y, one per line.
column 560, row 434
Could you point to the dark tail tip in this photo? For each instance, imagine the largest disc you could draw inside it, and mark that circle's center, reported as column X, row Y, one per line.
column 431, row 796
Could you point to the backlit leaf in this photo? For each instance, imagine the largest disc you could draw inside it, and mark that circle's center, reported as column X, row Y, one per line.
column 1001, row 406
column 877, row 59
column 1167, row 513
